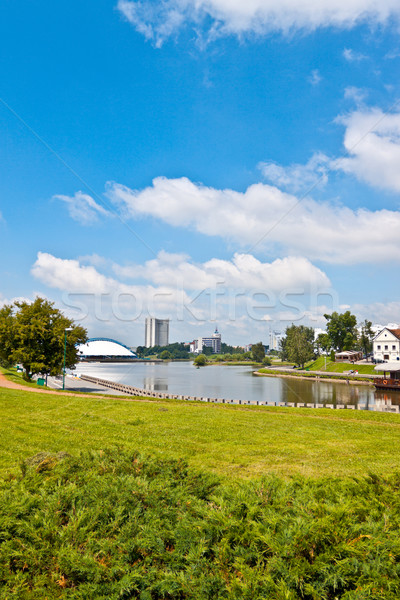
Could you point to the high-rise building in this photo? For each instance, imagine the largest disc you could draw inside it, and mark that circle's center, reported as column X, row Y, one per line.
column 156, row 332
column 213, row 342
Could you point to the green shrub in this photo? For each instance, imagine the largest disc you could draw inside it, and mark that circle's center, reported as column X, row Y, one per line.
column 117, row 525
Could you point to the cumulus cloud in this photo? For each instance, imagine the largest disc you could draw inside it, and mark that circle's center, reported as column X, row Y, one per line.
column 297, row 177
column 243, row 271
column 159, row 20
column 83, row 208
column 378, row 312
column 243, row 292
column 266, row 216
column 372, row 141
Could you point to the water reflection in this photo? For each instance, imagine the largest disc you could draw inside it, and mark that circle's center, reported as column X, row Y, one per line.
column 239, row 383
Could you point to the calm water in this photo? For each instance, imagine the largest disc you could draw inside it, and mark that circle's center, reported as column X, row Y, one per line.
column 238, row 383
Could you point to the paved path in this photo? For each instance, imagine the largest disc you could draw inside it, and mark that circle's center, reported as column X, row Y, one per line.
column 6, row 383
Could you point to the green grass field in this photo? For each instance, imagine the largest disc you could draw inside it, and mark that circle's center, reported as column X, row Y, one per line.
column 232, row 441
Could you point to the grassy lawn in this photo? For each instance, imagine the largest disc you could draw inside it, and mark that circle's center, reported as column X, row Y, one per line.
column 233, row 441
column 334, row 367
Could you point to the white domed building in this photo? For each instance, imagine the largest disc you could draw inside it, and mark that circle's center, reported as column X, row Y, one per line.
column 105, row 349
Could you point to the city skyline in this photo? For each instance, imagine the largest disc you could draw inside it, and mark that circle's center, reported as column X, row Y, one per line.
column 214, row 162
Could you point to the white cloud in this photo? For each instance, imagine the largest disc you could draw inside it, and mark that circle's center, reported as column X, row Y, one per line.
column 355, row 94
column 266, row 216
column 315, row 77
column 236, row 294
column 83, row 208
column 372, row 141
column 297, row 177
column 353, row 56
column 378, row 312
column 244, row 271
column 159, row 20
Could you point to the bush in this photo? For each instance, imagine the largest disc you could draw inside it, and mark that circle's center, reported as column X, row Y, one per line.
column 200, row 361
column 117, row 525
column 267, row 361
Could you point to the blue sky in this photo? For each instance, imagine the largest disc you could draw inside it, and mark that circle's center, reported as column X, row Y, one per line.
column 211, row 162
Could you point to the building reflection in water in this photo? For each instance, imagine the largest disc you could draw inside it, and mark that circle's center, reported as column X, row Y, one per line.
column 387, row 401
column 321, row 392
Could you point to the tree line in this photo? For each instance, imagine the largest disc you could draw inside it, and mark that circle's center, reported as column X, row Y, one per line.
column 300, row 346
column 34, row 335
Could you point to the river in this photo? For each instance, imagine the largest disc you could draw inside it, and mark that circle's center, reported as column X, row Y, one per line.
column 239, row 383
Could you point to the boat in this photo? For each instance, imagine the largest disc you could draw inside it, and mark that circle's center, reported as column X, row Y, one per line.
column 391, row 376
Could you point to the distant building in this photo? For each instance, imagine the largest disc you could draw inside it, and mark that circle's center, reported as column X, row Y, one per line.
column 274, row 340
column 348, row 356
column 213, row 342
column 105, row 349
column 386, row 345
column 156, row 332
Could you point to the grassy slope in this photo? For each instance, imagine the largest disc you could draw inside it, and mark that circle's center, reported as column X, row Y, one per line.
column 334, row 367
column 239, row 442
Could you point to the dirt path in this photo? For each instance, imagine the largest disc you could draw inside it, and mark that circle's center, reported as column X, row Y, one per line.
column 6, row 383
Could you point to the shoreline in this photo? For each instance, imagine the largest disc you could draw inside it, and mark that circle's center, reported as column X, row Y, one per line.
column 316, row 377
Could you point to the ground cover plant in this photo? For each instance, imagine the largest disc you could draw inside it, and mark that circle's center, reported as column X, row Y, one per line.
column 116, row 525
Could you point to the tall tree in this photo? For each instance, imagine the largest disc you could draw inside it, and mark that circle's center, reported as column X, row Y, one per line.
column 299, row 344
column 37, row 337
column 323, row 342
column 258, row 352
column 366, row 337
column 342, row 331
column 6, row 335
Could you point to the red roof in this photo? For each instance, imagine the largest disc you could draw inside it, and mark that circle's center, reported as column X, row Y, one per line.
column 395, row 332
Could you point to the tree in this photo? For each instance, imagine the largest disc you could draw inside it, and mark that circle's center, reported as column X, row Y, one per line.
column 323, row 342
column 6, row 335
column 283, row 351
column 342, row 331
column 299, row 344
column 366, row 337
column 36, row 336
column 165, row 355
column 207, row 350
column 200, row 361
column 258, row 352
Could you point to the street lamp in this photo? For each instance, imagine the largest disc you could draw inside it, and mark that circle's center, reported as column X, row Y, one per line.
column 65, row 353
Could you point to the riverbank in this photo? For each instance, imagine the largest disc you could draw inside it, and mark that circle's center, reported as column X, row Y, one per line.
column 318, row 376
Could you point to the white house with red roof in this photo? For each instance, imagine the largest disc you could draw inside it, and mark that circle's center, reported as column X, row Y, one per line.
column 386, row 345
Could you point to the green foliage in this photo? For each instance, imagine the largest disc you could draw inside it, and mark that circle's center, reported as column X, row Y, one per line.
column 342, row 331
column 323, row 342
column 258, row 352
column 115, row 525
column 34, row 335
column 177, row 350
column 200, row 361
column 267, row 361
column 165, row 355
column 6, row 335
column 366, row 336
column 207, row 351
column 299, row 344
column 226, row 349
